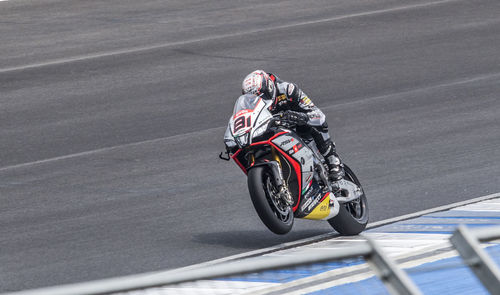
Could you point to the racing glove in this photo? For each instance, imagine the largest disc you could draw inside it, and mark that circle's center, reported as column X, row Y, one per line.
column 298, row 118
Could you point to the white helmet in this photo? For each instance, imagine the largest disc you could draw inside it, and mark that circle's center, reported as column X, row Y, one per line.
column 259, row 83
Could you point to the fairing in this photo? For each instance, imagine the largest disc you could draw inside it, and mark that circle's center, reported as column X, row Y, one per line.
column 250, row 118
column 297, row 160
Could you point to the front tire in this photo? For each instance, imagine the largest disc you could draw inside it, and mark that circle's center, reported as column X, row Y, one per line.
column 353, row 216
column 272, row 210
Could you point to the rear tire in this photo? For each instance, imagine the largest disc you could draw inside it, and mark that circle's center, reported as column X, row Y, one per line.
column 274, row 213
column 353, row 216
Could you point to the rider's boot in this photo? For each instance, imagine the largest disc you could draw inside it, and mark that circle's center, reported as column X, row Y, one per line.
column 335, row 166
column 327, row 148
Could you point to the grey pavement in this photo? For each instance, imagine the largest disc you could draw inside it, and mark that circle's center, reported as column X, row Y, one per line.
column 112, row 115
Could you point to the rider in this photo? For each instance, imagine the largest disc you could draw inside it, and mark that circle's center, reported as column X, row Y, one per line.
column 295, row 107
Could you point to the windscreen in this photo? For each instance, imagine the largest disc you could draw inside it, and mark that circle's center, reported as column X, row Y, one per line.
column 246, row 102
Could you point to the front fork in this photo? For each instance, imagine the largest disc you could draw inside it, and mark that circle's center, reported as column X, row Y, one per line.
column 278, row 179
column 275, row 167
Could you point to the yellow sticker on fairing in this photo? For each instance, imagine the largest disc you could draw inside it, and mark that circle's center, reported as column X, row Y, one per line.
column 321, row 211
column 307, row 101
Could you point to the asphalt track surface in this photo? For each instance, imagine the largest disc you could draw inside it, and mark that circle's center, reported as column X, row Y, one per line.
column 112, row 115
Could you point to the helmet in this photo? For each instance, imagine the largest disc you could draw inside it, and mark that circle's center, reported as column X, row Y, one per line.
column 259, row 83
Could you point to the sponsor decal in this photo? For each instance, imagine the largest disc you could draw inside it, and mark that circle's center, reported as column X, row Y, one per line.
column 242, row 112
column 315, row 201
column 291, row 87
column 306, row 204
column 321, row 211
column 308, row 198
column 286, row 142
column 296, row 148
column 305, row 100
column 323, row 208
column 311, row 202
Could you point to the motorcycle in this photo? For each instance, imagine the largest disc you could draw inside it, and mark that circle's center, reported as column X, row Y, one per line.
column 287, row 175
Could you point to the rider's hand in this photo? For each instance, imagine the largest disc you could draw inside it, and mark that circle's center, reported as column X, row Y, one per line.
column 296, row 117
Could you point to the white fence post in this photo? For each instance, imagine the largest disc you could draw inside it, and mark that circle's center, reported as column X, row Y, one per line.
column 395, row 279
column 467, row 244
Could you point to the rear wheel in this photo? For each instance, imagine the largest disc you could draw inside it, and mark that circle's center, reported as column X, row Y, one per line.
column 353, row 216
column 274, row 212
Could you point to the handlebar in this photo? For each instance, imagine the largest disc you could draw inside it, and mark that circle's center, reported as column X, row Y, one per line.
column 278, row 120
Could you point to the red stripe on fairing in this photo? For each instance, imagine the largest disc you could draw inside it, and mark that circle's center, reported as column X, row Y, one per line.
column 238, row 161
column 324, row 197
column 294, row 163
column 269, row 140
column 278, row 134
column 234, row 156
column 296, row 166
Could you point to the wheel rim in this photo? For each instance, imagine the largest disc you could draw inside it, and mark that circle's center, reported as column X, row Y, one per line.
column 280, row 208
column 357, row 207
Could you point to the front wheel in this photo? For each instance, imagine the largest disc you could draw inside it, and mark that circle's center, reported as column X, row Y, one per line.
column 274, row 212
column 353, row 216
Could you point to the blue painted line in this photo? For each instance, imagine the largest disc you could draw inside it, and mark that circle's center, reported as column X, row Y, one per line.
column 478, row 214
column 424, row 228
column 288, row 275
column 458, row 281
column 464, row 213
column 446, row 276
column 449, row 276
column 368, row 286
column 420, row 232
column 464, row 217
column 448, row 224
column 452, row 221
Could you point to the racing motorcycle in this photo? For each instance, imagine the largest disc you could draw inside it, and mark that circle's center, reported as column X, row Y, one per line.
column 287, row 175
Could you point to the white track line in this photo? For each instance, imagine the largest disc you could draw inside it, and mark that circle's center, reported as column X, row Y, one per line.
column 335, row 106
column 169, row 44
column 106, row 149
column 165, row 290
column 455, row 82
column 359, row 277
column 333, row 235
